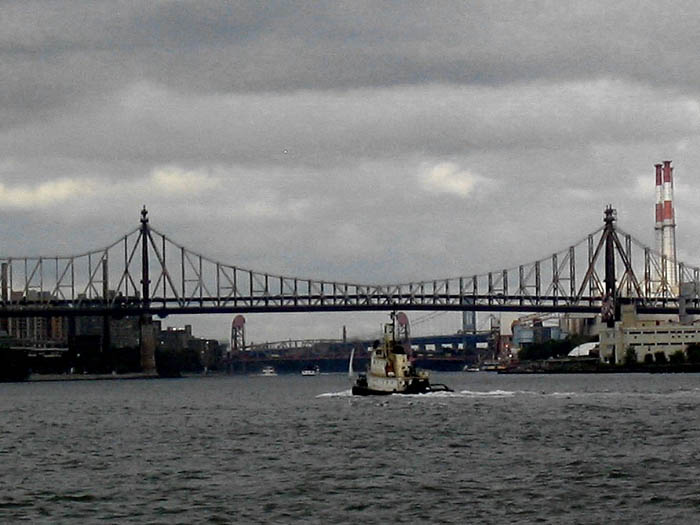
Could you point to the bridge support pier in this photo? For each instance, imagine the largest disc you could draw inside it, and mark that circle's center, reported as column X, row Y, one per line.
column 148, row 344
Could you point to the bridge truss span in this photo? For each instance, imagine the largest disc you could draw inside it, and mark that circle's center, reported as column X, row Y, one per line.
column 146, row 272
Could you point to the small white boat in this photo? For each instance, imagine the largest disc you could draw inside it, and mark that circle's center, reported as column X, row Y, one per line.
column 311, row 371
column 491, row 366
column 268, row 371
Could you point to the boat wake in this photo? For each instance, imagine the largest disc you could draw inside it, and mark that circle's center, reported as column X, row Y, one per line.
column 495, row 394
column 343, row 393
column 490, row 393
column 427, row 395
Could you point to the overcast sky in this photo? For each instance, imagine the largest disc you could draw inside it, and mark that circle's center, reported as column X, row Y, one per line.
column 354, row 141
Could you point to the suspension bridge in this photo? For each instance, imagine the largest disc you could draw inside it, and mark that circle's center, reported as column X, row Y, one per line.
column 145, row 272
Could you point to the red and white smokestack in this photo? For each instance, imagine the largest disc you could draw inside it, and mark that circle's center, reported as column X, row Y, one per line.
column 659, row 225
column 668, row 218
column 669, row 227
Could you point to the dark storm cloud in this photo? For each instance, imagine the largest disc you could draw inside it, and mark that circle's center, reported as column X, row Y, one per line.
column 54, row 51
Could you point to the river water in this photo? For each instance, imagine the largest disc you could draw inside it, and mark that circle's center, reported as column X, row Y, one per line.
column 291, row 449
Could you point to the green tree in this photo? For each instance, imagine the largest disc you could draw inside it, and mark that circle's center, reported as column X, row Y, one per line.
column 648, row 359
column 630, row 356
column 660, row 357
column 551, row 348
column 677, row 357
column 693, row 353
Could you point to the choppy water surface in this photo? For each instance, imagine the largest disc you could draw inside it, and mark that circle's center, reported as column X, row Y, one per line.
column 502, row 449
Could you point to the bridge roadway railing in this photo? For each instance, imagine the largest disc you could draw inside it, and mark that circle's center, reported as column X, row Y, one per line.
column 147, row 272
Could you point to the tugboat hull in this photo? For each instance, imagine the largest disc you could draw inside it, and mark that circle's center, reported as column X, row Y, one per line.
column 415, row 386
column 358, row 390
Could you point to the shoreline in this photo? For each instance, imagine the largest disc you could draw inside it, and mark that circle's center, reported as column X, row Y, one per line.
column 39, row 378
column 587, row 366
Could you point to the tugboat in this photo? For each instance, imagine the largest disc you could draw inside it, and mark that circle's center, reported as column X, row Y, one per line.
column 390, row 370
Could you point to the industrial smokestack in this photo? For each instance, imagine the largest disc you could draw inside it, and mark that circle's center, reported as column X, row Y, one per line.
column 669, row 229
column 659, row 226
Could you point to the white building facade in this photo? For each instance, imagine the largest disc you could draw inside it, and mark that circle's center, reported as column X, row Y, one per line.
column 645, row 336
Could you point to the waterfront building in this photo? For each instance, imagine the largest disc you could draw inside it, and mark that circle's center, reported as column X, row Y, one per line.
column 37, row 331
column 123, row 332
column 524, row 335
column 174, row 338
column 645, row 336
column 532, row 330
column 208, row 352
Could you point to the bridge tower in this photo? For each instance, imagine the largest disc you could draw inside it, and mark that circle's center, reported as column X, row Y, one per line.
column 238, row 334
column 403, row 333
column 610, row 305
column 145, row 279
column 148, row 335
column 237, row 344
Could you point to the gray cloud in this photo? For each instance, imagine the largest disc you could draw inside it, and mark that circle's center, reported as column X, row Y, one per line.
column 152, row 124
column 84, row 49
column 351, row 141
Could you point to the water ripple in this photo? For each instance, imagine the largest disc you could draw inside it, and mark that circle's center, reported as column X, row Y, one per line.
column 576, row 449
